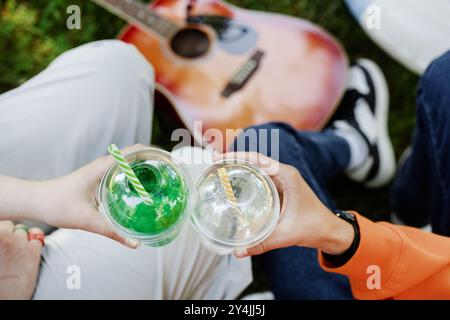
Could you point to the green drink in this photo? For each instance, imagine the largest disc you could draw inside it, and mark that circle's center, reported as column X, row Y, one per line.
column 169, row 187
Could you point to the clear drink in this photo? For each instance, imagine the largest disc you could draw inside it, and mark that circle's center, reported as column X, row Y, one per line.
column 225, row 224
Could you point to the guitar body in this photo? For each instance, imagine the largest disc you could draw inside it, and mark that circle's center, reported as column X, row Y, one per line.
column 299, row 80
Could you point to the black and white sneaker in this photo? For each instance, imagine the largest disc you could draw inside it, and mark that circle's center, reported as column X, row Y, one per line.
column 362, row 120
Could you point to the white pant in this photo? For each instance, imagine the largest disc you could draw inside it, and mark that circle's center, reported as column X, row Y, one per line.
column 65, row 117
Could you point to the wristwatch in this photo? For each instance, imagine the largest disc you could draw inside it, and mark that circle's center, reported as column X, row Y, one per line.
column 343, row 258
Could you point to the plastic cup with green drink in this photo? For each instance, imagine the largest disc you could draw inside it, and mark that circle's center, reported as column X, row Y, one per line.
column 146, row 196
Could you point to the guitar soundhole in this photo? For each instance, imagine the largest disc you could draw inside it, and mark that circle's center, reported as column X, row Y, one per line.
column 190, row 43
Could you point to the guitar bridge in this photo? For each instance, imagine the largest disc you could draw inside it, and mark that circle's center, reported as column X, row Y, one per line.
column 243, row 75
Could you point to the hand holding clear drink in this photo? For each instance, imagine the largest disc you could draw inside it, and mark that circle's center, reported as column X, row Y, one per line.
column 304, row 220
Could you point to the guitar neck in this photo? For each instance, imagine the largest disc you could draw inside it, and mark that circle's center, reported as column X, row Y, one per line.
column 135, row 12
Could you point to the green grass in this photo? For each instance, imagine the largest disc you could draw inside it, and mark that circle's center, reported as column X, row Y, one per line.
column 33, row 33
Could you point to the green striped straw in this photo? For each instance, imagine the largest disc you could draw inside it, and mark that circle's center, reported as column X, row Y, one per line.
column 125, row 167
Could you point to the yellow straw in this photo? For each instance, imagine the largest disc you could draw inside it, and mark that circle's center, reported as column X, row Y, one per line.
column 226, row 184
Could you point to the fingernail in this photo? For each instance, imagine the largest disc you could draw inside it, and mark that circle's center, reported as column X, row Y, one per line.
column 134, row 244
column 36, row 231
column 241, row 253
column 37, row 236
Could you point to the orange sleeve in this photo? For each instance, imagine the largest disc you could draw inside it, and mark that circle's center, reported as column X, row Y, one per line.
column 412, row 264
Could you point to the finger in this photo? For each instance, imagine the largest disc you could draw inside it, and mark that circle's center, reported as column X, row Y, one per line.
column 133, row 148
column 98, row 167
column 36, row 231
column 37, row 244
column 35, row 236
column 36, row 239
column 254, row 251
column 285, row 175
column 276, row 240
column 270, row 166
column 100, row 226
column 6, row 226
column 281, row 175
column 21, row 232
column 130, row 243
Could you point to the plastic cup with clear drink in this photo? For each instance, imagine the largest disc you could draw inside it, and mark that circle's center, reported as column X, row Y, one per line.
column 237, row 206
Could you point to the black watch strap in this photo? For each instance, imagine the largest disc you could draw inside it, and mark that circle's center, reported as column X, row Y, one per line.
column 342, row 259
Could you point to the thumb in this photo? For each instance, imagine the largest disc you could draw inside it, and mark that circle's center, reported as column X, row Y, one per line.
column 260, row 248
column 97, row 168
column 130, row 243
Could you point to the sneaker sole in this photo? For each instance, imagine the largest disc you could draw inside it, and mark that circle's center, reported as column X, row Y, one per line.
column 387, row 168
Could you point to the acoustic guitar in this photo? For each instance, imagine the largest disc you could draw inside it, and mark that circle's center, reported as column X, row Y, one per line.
column 232, row 68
